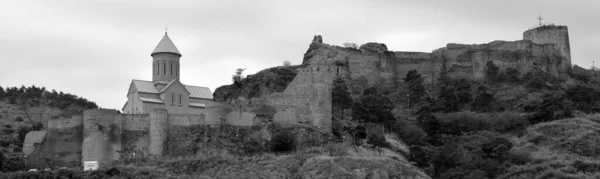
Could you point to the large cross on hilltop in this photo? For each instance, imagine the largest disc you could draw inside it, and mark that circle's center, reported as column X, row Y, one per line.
column 540, row 18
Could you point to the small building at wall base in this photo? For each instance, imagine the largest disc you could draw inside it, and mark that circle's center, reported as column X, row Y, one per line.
column 166, row 91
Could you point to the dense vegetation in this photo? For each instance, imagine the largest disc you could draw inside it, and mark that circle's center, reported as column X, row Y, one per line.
column 465, row 128
column 33, row 96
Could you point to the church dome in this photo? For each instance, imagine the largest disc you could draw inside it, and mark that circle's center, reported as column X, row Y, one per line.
column 166, row 46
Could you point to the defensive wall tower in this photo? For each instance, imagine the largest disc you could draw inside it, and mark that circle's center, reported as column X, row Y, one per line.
column 552, row 34
column 165, row 61
column 158, row 131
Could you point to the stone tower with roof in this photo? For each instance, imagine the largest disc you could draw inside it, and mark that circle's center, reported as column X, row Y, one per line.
column 165, row 61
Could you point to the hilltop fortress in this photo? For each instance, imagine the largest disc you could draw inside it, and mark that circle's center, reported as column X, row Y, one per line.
column 164, row 123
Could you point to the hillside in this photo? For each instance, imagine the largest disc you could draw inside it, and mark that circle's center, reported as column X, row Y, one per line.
column 458, row 121
column 27, row 109
column 565, row 148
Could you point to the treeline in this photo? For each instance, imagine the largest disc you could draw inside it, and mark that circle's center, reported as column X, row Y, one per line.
column 33, row 96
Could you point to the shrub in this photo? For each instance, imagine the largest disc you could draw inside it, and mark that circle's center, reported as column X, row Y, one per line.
column 19, row 119
column 461, row 123
column 283, row 141
column 22, row 132
column 335, row 149
column 37, row 126
column 519, row 157
column 8, row 131
column 287, row 63
column 410, row 133
column 507, row 121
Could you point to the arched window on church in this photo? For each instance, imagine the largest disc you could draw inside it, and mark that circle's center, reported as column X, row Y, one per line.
column 179, row 98
column 171, row 69
column 172, row 98
column 165, row 68
column 157, row 68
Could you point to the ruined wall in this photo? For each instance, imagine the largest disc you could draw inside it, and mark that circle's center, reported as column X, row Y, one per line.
column 307, row 99
column 135, row 138
column 101, row 136
column 469, row 61
column 557, row 35
column 158, row 131
column 424, row 63
column 63, row 140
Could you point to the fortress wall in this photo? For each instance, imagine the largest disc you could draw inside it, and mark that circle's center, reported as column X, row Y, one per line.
column 365, row 66
column 420, row 61
column 216, row 114
column 135, row 144
column 64, row 141
column 136, row 122
column 65, row 123
column 186, row 119
column 469, row 61
column 236, row 118
column 558, row 35
column 101, row 136
column 158, row 132
column 181, row 137
column 309, row 98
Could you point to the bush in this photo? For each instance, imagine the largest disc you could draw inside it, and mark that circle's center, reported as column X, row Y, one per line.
column 22, row 132
column 37, row 126
column 336, row 149
column 19, row 119
column 519, row 157
column 410, row 133
column 462, row 123
column 287, row 63
column 283, row 141
column 507, row 121
column 8, row 131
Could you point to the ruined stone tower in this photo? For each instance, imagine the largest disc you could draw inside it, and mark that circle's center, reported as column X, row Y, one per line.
column 165, row 61
column 551, row 34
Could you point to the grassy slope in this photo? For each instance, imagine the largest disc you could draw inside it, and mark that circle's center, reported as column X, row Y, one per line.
column 565, row 148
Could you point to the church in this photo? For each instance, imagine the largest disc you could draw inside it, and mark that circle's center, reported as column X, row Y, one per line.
column 165, row 90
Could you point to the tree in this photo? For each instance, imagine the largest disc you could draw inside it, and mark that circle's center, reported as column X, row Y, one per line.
column 237, row 77
column 350, row 45
column 453, row 96
column 373, row 107
column 287, row 63
column 2, row 93
column 428, row 121
column 482, row 102
column 491, row 71
column 341, row 98
column 377, row 141
column 415, row 86
column 512, row 75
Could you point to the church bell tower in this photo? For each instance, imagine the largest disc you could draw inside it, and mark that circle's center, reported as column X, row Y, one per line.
column 165, row 61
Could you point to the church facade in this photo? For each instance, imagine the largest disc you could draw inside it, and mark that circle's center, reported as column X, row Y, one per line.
column 165, row 91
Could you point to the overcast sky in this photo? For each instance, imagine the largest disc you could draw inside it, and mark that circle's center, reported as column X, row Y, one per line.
column 94, row 48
